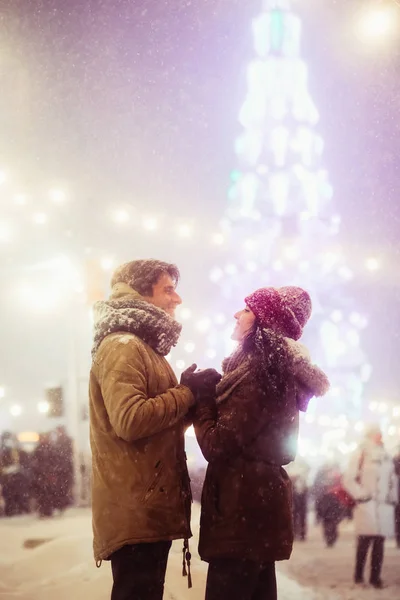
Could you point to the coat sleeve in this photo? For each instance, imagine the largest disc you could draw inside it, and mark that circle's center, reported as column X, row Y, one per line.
column 132, row 413
column 393, row 492
column 225, row 433
column 351, row 476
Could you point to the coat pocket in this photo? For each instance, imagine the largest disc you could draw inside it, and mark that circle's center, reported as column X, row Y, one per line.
column 155, row 481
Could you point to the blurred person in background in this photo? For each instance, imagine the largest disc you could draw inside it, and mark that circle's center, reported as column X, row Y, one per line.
column 298, row 472
column 44, row 473
column 397, row 509
column 13, row 476
column 329, row 510
column 247, row 431
column 141, row 496
column 370, row 479
column 62, row 446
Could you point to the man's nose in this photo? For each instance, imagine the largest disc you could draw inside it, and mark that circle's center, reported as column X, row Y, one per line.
column 177, row 298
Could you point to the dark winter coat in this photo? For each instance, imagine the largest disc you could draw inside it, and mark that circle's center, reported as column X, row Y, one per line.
column 140, row 483
column 247, row 495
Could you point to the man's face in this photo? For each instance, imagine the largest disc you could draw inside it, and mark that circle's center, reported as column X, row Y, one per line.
column 164, row 295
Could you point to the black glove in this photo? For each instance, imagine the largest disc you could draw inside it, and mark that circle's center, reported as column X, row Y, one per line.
column 187, row 374
column 202, row 382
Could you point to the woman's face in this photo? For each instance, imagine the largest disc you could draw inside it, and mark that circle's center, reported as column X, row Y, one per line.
column 245, row 320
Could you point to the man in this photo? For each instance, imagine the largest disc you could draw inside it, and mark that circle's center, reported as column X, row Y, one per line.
column 141, row 492
column 370, row 479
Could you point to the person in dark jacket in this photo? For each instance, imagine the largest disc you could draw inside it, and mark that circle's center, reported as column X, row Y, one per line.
column 247, row 433
column 328, row 507
column 397, row 509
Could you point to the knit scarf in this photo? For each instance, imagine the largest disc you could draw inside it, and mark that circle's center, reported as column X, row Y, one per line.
column 127, row 311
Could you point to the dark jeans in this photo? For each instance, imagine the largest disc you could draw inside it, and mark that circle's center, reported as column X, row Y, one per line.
column 330, row 528
column 139, row 571
column 363, row 544
column 234, row 579
column 397, row 524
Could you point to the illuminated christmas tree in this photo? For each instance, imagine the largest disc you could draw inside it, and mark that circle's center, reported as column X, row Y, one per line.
column 281, row 225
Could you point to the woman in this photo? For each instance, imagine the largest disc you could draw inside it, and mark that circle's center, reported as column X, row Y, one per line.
column 371, row 480
column 246, row 434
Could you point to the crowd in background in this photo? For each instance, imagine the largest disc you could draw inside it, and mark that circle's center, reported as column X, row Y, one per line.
column 40, row 480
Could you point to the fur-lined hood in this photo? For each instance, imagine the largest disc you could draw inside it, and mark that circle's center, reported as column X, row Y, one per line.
column 309, row 375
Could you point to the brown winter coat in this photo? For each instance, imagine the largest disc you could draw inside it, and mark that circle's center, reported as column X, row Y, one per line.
column 140, row 489
column 247, row 497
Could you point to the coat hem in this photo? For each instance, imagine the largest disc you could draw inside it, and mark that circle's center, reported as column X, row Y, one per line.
column 106, row 554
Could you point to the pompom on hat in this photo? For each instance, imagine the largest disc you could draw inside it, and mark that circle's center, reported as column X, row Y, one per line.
column 286, row 310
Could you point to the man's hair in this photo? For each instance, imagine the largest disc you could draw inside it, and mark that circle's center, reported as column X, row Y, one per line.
column 141, row 275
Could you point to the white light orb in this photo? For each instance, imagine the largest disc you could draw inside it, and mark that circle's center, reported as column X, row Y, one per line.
column 40, row 218
column 189, row 347
column 150, row 224
column 43, row 407
column 220, row 319
column 231, row 269
column 216, row 274
column 180, row 364
column 57, row 196
column 2, row 392
column 121, row 216
column 372, row 264
column 359, row 426
column 291, row 252
column 15, row 410
column 107, row 263
column 218, row 239
column 203, row 325
column 251, row 266
column 20, row 199
column 337, row 316
column 185, row 230
column 211, row 353
column 184, row 313
column 378, row 23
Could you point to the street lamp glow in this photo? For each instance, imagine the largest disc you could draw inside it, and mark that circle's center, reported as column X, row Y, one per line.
column 40, row 218
column 107, row 263
column 20, row 199
column 150, row 224
column 121, row 216
column 43, row 407
column 218, row 238
column 57, row 196
column 184, row 230
column 15, row 410
column 377, row 23
column 372, row 264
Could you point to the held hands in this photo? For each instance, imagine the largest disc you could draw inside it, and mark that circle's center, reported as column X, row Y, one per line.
column 201, row 382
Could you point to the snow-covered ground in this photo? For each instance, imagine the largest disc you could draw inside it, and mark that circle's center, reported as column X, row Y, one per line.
column 48, row 559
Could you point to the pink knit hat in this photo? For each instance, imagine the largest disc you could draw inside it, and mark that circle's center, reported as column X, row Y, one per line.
column 285, row 310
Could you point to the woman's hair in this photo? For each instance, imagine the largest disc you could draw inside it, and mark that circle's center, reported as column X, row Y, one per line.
column 269, row 359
